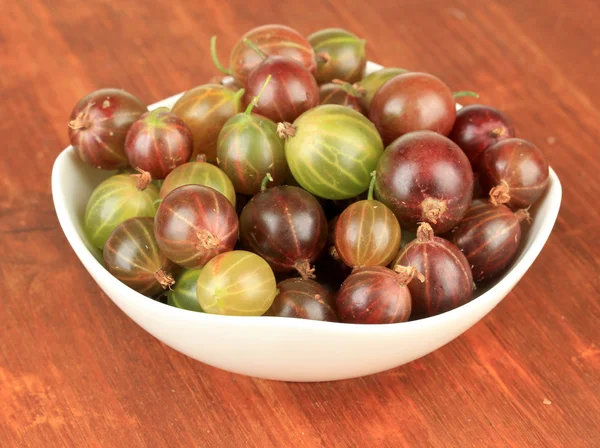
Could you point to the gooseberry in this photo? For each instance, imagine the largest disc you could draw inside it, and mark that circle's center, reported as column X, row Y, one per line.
column 236, row 283
column 132, row 256
column 158, row 142
column 195, row 223
column 98, row 126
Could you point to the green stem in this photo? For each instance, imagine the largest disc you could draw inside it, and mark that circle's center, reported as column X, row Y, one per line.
column 237, row 95
column 215, row 58
column 263, row 185
column 465, row 93
column 372, row 185
column 254, row 47
column 347, row 87
column 254, row 101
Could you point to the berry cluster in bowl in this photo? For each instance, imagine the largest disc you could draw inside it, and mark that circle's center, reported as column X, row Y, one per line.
column 293, row 186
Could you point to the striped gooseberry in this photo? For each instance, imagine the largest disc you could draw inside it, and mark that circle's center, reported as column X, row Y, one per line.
column 132, row 256
column 331, row 151
column 489, row 236
column 447, row 281
column 425, row 177
column 367, row 233
column 514, row 171
column 248, row 147
column 194, row 224
column 98, row 126
column 205, row 109
column 371, row 83
column 291, row 91
column 478, row 127
column 199, row 172
column 413, row 102
column 117, row 199
column 375, row 295
column 286, row 226
column 183, row 293
column 273, row 40
column 339, row 54
column 303, row 299
column 236, row 283
column 158, row 142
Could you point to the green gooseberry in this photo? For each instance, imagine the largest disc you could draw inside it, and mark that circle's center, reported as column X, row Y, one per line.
column 183, row 294
column 236, row 283
column 199, row 172
column 340, row 55
column 331, row 151
column 249, row 147
column 117, row 199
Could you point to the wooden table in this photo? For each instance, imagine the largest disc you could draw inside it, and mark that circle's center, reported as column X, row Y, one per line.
column 75, row 371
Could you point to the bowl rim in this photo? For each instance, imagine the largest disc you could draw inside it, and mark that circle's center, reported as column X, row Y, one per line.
column 102, row 276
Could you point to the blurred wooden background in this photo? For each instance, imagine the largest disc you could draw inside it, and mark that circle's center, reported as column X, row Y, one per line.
column 74, row 371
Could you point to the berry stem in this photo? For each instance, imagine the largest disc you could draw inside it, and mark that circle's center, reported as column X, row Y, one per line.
column 255, row 47
column 405, row 274
column 372, row 185
column 215, row 57
column 254, row 101
column 238, row 94
column 165, row 279
column 523, row 215
column 263, row 184
column 347, row 87
column 207, row 240
column 433, row 209
column 82, row 120
column 500, row 194
column 285, row 130
column 201, row 157
column 143, row 179
column 305, row 270
column 465, row 93
column 424, row 233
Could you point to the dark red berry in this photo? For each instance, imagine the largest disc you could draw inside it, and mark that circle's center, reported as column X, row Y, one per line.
column 303, row 299
column 412, row 102
column 448, row 282
column 286, row 226
column 375, row 295
column 98, row 126
column 158, row 142
column 425, row 177
column 478, row 127
column 515, row 172
column 489, row 236
column 292, row 90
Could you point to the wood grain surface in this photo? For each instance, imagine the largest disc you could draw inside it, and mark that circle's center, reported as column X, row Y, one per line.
column 76, row 372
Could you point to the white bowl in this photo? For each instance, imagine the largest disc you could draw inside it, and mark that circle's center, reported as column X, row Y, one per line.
column 283, row 348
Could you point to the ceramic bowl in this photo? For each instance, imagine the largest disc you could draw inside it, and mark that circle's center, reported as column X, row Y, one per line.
column 283, row 348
